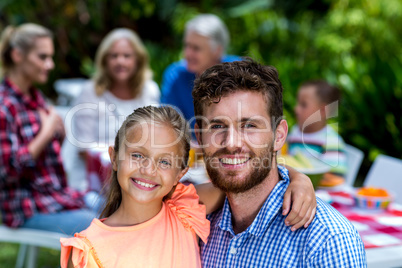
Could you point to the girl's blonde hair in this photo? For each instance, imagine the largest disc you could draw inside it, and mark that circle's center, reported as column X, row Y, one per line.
column 22, row 38
column 162, row 115
column 102, row 79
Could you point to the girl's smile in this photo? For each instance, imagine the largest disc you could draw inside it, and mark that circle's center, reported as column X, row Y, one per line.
column 144, row 184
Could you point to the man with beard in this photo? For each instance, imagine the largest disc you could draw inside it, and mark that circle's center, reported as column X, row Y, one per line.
column 240, row 129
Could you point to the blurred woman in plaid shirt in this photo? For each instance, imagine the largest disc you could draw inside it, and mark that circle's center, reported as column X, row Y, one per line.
column 33, row 187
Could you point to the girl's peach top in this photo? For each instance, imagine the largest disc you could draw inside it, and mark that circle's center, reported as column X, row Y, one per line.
column 167, row 240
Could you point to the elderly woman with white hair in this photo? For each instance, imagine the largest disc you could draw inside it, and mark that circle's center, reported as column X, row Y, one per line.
column 206, row 39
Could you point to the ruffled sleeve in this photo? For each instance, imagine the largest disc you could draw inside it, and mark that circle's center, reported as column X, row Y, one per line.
column 185, row 204
column 80, row 252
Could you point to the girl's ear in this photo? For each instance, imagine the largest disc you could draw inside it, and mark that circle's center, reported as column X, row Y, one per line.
column 180, row 175
column 112, row 155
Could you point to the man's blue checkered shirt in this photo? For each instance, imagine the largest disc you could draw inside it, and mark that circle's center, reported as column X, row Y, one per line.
column 329, row 241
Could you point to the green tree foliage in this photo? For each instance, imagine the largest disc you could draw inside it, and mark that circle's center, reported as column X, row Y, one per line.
column 355, row 44
column 80, row 25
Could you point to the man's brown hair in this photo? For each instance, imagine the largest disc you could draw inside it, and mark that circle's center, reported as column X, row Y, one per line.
column 246, row 75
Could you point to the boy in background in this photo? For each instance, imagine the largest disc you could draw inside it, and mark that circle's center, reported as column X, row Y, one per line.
column 318, row 101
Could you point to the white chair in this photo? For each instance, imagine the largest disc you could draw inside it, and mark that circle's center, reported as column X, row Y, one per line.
column 68, row 89
column 386, row 172
column 30, row 240
column 73, row 164
column 354, row 158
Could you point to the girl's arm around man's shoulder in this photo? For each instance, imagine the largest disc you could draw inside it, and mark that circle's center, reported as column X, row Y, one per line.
column 210, row 196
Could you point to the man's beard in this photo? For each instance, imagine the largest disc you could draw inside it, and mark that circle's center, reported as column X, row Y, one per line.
column 228, row 183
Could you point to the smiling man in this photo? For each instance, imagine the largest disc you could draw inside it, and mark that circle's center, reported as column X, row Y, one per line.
column 240, row 128
column 206, row 39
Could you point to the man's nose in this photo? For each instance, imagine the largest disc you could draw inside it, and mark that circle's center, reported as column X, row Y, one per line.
column 233, row 139
column 187, row 52
column 296, row 109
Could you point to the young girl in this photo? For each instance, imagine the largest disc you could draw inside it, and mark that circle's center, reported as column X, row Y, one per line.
column 152, row 220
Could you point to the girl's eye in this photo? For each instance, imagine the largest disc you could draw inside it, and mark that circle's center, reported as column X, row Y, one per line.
column 165, row 163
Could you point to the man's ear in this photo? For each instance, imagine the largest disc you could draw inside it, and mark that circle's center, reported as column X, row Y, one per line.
column 112, row 155
column 218, row 53
column 281, row 133
column 198, row 130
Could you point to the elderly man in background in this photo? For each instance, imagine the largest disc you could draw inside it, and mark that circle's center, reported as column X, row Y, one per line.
column 206, row 39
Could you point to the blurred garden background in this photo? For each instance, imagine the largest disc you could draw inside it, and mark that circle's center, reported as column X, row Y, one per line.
column 354, row 44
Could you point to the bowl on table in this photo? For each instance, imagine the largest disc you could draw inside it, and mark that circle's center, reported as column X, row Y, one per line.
column 315, row 173
column 312, row 167
column 372, row 198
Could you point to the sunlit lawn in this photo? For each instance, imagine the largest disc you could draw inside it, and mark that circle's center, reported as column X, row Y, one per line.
column 47, row 258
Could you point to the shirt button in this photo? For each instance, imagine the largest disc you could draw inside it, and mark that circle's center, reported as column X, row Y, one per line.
column 233, row 250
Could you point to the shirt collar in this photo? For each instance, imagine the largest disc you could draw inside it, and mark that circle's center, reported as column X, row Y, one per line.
column 271, row 207
column 35, row 99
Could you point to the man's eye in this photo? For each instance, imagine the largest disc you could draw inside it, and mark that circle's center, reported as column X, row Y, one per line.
column 217, row 126
column 42, row 56
column 137, row 156
column 249, row 126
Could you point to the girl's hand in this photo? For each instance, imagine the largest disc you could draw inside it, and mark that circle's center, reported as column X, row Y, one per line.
column 300, row 198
